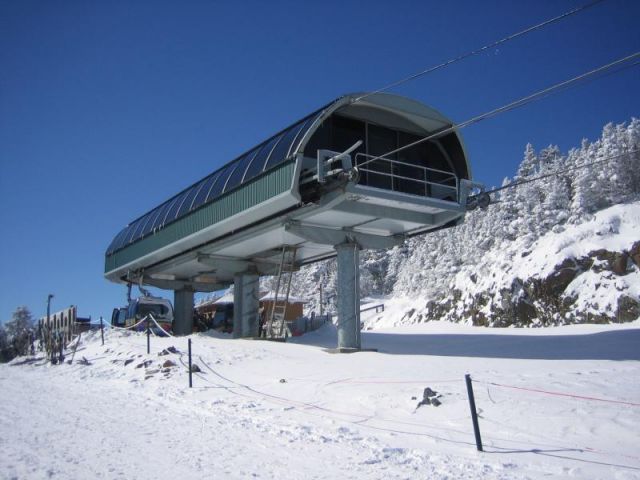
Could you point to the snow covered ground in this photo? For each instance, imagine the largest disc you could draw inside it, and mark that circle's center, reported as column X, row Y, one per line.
column 274, row 410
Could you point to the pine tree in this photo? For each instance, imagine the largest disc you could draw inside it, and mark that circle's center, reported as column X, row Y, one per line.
column 6, row 351
column 585, row 183
column 21, row 322
column 19, row 330
column 529, row 165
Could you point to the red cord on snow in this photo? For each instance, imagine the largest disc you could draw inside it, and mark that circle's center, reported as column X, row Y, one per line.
column 582, row 397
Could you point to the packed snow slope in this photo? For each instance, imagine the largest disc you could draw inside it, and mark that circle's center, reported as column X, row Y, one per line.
column 561, row 250
column 556, row 402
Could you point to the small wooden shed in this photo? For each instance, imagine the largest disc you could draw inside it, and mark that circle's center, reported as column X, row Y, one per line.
column 294, row 310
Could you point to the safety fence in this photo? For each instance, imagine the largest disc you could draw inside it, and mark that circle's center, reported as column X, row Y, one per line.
column 61, row 323
column 378, row 308
column 539, row 392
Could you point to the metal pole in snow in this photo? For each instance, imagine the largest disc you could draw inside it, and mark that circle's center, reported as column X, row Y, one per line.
column 102, row 331
column 148, row 338
column 190, row 371
column 474, row 413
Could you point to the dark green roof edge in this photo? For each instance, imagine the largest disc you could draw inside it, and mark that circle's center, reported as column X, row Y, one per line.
column 248, row 195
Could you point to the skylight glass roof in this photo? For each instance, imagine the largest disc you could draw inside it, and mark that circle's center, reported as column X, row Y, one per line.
column 243, row 169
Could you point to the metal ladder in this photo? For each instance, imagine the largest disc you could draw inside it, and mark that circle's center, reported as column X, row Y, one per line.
column 276, row 325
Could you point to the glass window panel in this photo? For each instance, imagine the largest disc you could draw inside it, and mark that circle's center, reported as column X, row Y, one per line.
column 152, row 218
column 216, row 188
column 300, row 133
column 380, row 141
column 256, row 167
column 159, row 218
column 436, row 158
column 173, row 209
column 281, row 150
column 346, row 132
column 116, row 243
column 144, row 221
column 270, row 153
column 188, row 199
column 123, row 237
column 198, row 191
column 321, row 138
column 130, row 230
column 416, row 155
column 451, row 144
column 202, row 194
column 147, row 222
column 235, row 178
column 138, row 229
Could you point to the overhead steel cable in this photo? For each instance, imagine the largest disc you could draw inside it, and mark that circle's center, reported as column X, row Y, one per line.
column 481, row 49
column 510, row 106
column 556, row 173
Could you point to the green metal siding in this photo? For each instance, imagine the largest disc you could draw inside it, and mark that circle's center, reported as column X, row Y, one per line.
column 261, row 189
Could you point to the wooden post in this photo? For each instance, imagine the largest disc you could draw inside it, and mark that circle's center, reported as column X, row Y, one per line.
column 102, row 330
column 75, row 348
column 474, row 413
column 61, row 359
column 148, row 338
column 190, row 370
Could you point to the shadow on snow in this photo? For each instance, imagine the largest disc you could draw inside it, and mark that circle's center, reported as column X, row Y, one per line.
column 613, row 345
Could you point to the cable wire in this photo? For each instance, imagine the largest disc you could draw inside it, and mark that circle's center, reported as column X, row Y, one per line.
column 557, row 172
column 510, row 106
column 481, row 49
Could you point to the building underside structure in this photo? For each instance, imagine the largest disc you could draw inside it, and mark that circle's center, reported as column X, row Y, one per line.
column 296, row 190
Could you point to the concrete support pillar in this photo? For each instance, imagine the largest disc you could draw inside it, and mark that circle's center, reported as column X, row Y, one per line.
column 348, row 295
column 246, row 294
column 182, row 312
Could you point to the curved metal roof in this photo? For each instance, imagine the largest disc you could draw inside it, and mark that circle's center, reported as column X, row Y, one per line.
column 274, row 151
column 247, row 166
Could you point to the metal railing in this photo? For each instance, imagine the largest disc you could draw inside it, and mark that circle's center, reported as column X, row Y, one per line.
column 424, row 178
column 378, row 308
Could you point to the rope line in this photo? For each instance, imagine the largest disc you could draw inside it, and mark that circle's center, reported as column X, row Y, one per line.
column 129, row 327
column 364, row 419
column 560, row 394
column 481, row 49
column 158, row 325
column 390, row 382
column 510, row 106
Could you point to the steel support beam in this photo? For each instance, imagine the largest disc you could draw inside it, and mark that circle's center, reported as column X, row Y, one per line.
column 246, row 294
column 330, row 236
column 234, row 265
column 357, row 192
column 381, row 211
column 348, row 296
column 182, row 284
column 183, row 312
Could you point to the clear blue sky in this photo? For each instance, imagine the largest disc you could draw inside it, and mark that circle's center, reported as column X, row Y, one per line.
column 108, row 108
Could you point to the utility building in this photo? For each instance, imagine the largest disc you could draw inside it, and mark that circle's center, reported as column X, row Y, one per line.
column 325, row 186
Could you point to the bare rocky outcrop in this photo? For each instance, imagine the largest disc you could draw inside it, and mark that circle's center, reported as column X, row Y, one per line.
column 634, row 254
column 546, row 301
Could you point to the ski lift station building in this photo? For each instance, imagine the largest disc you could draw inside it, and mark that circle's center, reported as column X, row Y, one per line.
column 324, row 186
